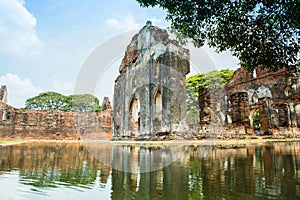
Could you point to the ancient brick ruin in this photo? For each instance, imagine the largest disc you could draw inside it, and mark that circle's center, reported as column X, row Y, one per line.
column 273, row 96
column 150, row 101
column 54, row 124
column 106, row 104
column 3, row 94
column 149, row 93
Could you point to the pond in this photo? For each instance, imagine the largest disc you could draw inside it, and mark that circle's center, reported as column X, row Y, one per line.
column 99, row 170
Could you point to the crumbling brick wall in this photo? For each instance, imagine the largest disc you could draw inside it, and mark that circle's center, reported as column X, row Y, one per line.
column 239, row 108
column 150, row 93
column 274, row 95
column 3, row 94
column 211, row 105
column 53, row 124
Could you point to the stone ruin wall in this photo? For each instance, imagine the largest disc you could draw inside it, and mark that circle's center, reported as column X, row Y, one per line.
column 53, row 124
column 274, row 95
column 3, row 94
column 228, row 112
column 213, row 119
column 153, row 65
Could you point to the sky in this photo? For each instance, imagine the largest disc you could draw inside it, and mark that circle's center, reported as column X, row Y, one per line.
column 46, row 45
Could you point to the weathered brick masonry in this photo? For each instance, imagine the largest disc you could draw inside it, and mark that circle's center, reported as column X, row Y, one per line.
column 149, row 93
column 273, row 95
column 53, row 124
column 150, row 101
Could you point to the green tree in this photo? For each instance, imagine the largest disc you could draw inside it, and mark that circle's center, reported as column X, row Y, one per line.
column 214, row 79
column 83, row 103
column 56, row 101
column 47, row 101
column 261, row 33
column 256, row 121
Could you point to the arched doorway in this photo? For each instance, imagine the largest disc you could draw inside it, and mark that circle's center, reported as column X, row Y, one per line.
column 158, row 105
column 254, row 99
column 134, row 116
column 256, row 121
column 287, row 91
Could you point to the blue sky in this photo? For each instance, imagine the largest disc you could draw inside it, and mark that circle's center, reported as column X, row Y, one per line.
column 44, row 43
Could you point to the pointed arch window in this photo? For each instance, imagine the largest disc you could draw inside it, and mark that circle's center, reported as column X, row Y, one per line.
column 158, row 104
column 254, row 99
column 135, row 109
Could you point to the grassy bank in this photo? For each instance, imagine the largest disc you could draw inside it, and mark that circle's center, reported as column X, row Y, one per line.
column 203, row 142
column 10, row 142
column 209, row 142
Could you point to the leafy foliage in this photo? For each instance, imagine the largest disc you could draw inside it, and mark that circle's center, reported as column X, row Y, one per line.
column 256, row 121
column 56, row 101
column 47, row 101
column 83, row 103
column 260, row 33
column 214, row 79
column 297, row 68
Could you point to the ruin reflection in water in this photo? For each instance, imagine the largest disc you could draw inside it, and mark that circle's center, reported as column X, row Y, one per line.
column 70, row 171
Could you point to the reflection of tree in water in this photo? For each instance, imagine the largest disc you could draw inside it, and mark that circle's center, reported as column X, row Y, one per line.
column 252, row 172
column 53, row 178
column 246, row 172
column 50, row 165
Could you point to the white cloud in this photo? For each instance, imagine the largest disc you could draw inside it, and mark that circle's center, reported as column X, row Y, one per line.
column 63, row 87
column 17, row 28
column 18, row 89
column 124, row 23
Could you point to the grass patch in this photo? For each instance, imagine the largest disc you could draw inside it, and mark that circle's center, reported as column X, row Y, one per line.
column 9, row 141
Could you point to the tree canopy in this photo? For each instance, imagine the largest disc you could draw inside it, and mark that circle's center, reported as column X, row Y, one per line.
column 261, row 33
column 214, row 79
column 47, row 101
column 56, row 101
column 83, row 103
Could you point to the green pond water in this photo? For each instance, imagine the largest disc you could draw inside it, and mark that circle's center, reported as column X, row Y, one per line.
column 97, row 170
